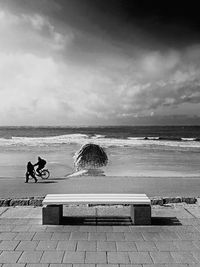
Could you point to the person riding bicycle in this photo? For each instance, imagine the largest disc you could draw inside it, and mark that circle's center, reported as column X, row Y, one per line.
column 41, row 164
column 30, row 172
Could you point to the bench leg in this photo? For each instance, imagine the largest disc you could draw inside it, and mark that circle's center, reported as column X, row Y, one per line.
column 141, row 214
column 52, row 214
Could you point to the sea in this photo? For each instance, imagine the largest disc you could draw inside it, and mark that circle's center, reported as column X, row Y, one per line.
column 132, row 150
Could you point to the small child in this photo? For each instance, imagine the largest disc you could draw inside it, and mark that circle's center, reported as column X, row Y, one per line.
column 31, row 172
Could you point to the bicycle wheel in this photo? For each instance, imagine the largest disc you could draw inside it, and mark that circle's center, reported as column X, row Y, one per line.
column 45, row 174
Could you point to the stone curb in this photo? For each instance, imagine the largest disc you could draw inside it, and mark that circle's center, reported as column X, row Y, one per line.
column 37, row 201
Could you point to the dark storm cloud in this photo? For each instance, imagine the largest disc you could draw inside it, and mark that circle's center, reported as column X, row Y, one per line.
column 99, row 61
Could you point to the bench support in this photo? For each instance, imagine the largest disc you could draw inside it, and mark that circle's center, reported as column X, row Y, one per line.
column 52, row 214
column 141, row 214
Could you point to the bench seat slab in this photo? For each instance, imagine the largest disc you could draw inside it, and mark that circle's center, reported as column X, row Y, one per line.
column 52, row 214
column 141, row 214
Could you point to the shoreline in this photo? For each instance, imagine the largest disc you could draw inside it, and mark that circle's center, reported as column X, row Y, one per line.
column 37, row 201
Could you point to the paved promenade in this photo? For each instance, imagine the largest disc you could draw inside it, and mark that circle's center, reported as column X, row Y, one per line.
column 96, row 240
column 152, row 186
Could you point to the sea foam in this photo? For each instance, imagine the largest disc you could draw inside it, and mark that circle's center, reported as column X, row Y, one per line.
column 101, row 140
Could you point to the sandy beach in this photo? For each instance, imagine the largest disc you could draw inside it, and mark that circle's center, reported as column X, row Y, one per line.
column 155, row 172
column 122, row 161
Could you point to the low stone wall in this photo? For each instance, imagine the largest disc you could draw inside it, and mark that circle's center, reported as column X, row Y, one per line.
column 37, row 201
column 166, row 200
column 27, row 201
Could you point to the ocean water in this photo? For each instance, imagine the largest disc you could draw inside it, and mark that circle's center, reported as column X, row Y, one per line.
column 132, row 151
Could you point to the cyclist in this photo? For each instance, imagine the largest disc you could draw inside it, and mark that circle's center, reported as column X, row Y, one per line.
column 41, row 163
column 30, row 172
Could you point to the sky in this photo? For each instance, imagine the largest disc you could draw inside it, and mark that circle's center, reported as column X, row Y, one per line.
column 99, row 62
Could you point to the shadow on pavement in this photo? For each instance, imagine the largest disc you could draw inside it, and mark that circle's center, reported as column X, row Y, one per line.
column 47, row 182
column 115, row 220
column 165, row 221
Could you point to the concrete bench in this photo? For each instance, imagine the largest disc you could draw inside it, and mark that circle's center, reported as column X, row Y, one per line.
column 140, row 205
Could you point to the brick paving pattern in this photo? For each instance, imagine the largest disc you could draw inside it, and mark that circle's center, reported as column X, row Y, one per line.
column 173, row 240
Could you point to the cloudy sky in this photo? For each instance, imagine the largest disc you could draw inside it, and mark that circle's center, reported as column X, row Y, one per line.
column 99, row 62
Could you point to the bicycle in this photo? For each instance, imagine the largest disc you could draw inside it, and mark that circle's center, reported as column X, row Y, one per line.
column 44, row 174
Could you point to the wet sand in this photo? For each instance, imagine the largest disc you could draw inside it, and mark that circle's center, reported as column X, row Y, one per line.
column 130, row 170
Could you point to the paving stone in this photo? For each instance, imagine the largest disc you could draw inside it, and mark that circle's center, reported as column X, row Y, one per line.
column 189, row 236
column 27, row 245
column 8, row 245
column 60, row 265
column 74, row 257
column 152, row 236
column 13, row 265
column 86, row 246
column 180, row 228
column 60, row 236
column 196, row 254
column 55, row 228
column 67, row 245
column 107, row 265
column 183, row 257
column 6, row 228
column 30, row 257
column 145, row 228
column 196, row 243
column 104, row 229
column 2, row 210
column 115, row 236
column 71, row 228
column 121, row 228
column 118, row 257
column 126, row 246
column 195, row 211
column 20, row 221
column 133, row 236
column 6, row 221
column 88, row 228
column 37, row 221
column 106, row 246
column 179, row 213
column 42, row 236
column 185, row 245
column 7, row 236
column 37, row 265
column 169, row 236
column 165, row 265
column 166, row 246
column 95, row 257
column 52, row 257
column 97, row 236
column 21, row 228
column 22, row 212
column 37, row 228
column 162, row 257
column 24, row 236
column 47, row 245
column 139, row 257
column 78, row 236
column 9, row 256
column 132, row 265
column 145, row 246
column 83, row 265
column 190, row 221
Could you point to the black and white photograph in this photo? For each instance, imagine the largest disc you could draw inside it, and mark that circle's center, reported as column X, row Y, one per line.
column 99, row 133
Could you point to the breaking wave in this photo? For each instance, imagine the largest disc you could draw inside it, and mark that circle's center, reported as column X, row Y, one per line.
column 102, row 140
